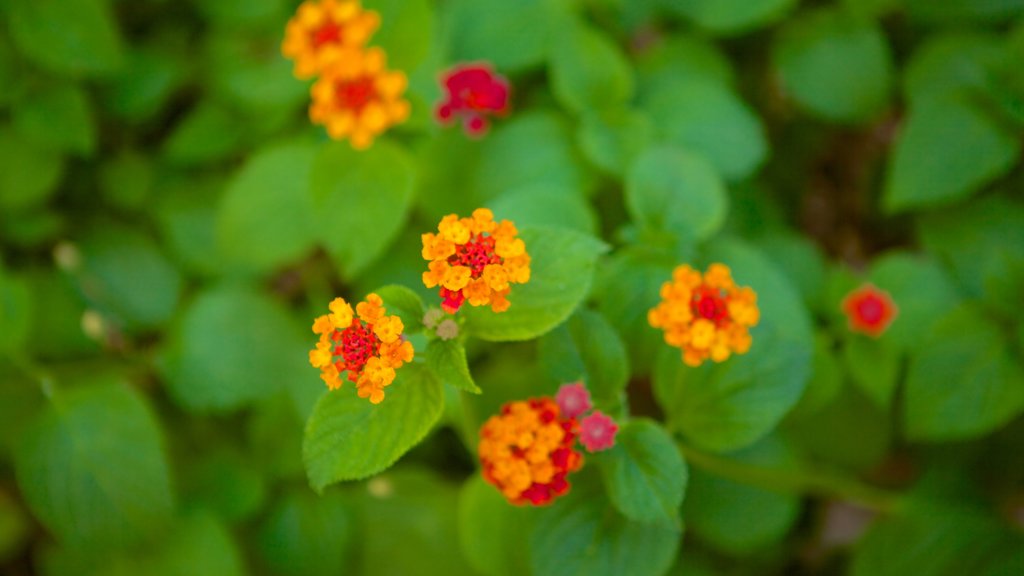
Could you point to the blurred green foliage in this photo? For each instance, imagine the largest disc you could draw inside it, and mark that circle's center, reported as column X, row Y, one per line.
column 170, row 224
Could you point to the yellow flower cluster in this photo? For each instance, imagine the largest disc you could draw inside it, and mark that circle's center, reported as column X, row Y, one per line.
column 707, row 316
column 355, row 96
column 475, row 259
column 368, row 344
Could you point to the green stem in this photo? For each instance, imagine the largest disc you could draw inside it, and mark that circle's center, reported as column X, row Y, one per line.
column 800, row 480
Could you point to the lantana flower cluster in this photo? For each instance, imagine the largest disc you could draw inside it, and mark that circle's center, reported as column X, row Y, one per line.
column 475, row 259
column 597, row 430
column 705, row 315
column 368, row 345
column 473, row 93
column 869, row 310
column 355, row 96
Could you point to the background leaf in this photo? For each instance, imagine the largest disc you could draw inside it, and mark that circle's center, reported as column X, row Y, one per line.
column 645, row 475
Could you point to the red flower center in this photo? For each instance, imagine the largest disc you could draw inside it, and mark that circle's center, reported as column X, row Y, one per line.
column 708, row 303
column 477, row 253
column 358, row 344
column 329, row 33
column 355, row 94
column 871, row 309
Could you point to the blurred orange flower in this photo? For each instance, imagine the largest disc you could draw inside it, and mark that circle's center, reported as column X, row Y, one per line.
column 869, row 310
column 324, row 32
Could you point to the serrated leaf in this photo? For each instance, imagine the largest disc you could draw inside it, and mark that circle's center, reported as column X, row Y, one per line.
column 348, row 438
column 92, row 467
column 587, row 347
column 404, row 303
column 645, row 475
column 675, row 191
column 732, row 404
column 447, row 358
column 266, row 215
column 561, row 271
column 541, row 204
column 362, row 199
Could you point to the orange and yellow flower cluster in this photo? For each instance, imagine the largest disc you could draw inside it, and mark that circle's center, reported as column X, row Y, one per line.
column 355, row 96
column 368, row 344
column 475, row 259
column 527, row 451
column 707, row 316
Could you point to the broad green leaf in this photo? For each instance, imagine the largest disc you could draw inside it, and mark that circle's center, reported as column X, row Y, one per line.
column 361, row 200
column 731, row 16
column 850, row 432
column 447, row 359
column 232, row 346
column 959, row 11
column 738, row 518
column 15, row 528
column 125, row 275
column 612, row 139
column 406, row 29
column 240, row 13
column 511, row 35
column 729, row 405
column 802, row 261
column 58, row 118
column 675, row 191
column 66, row 36
column 678, row 59
column 143, row 86
column 704, row 117
column 826, row 379
column 348, row 438
column 532, row 148
column 266, row 215
column 404, row 303
column 126, row 180
column 16, row 310
column 55, row 329
column 251, row 73
column 948, row 150
column 92, row 467
column 543, row 204
column 308, row 535
column 581, row 534
column 921, row 290
column 445, row 167
column 644, row 473
column 208, row 132
column 561, row 270
column 222, row 479
column 835, row 65
column 493, row 534
column 587, row 70
column 962, row 382
column 587, row 348
column 28, row 175
column 186, row 212
column 951, row 64
column 874, row 367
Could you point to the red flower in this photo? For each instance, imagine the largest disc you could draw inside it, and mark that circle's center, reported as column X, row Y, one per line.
column 573, row 399
column 870, row 310
column 474, row 91
column 597, row 432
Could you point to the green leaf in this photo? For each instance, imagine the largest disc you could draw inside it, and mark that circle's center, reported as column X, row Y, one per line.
column 66, row 36
column 126, row 180
column 28, row 175
column 125, row 274
column 447, row 359
column 680, row 59
column 406, row 29
column 16, row 310
column 644, row 473
column 826, row 379
column 362, row 200
column 834, row 65
column 143, row 86
column 512, row 36
column 251, row 73
column 492, row 533
column 307, row 535
column 92, row 467
column 233, row 346
column 344, row 427
column 921, row 290
column 208, row 132
column 705, row 117
column 561, row 270
column 240, row 13
column 954, row 64
column 672, row 190
column 587, row 347
column 266, row 215
column 404, row 303
column 543, row 204
column 962, row 382
column 612, row 139
column 874, row 367
column 738, row 518
column 581, row 534
column 959, row 11
column 55, row 329
column 928, row 169
column 58, row 118
column 729, row 405
column 587, row 70
column 731, row 16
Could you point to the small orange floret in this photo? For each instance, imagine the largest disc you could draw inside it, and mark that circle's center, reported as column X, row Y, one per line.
column 705, row 315
column 527, row 451
column 869, row 310
column 368, row 346
column 475, row 259
column 323, row 32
